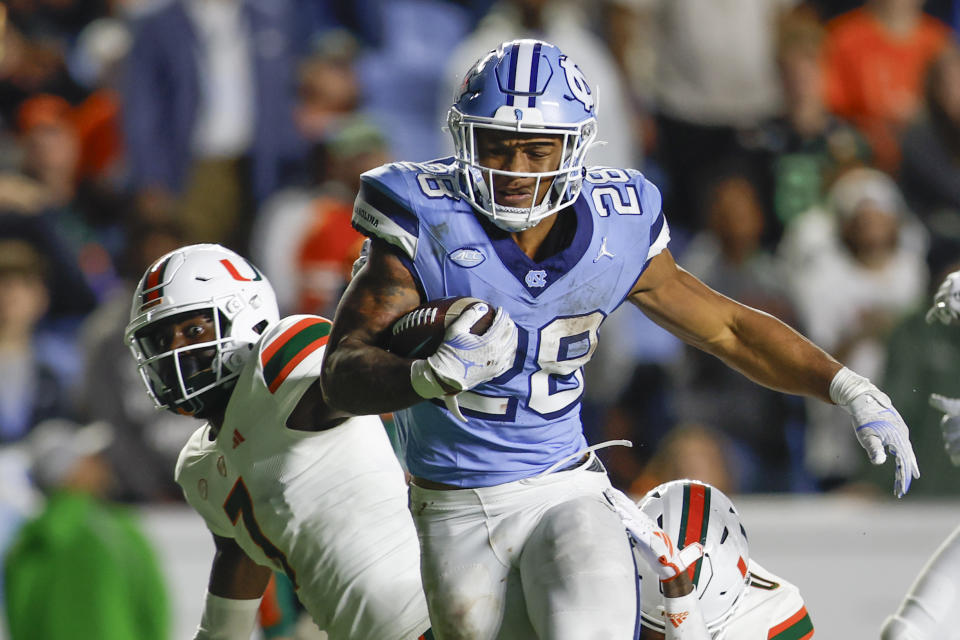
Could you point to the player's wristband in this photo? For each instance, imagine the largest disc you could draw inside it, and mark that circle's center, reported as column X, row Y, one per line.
column 683, row 619
column 847, row 385
column 227, row 619
column 424, row 380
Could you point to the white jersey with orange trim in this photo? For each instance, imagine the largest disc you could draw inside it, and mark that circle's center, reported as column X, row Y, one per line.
column 328, row 508
column 771, row 609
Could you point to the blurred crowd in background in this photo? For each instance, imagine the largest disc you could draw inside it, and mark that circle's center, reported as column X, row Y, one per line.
column 808, row 154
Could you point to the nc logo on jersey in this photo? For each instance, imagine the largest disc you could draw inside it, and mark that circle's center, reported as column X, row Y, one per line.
column 467, row 257
column 537, row 278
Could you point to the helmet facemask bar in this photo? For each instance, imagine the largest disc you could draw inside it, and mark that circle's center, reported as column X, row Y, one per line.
column 172, row 378
column 477, row 180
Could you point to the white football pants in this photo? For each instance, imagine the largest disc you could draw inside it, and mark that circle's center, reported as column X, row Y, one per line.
column 544, row 557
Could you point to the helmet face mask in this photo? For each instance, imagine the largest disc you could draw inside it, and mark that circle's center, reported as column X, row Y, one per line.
column 209, row 286
column 526, row 87
column 184, row 377
column 685, row 509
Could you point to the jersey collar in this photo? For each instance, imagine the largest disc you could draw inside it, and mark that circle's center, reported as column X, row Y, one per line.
column 537, row 277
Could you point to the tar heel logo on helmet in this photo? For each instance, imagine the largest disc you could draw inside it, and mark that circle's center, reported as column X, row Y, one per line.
column 467, row 257
column 577, row 83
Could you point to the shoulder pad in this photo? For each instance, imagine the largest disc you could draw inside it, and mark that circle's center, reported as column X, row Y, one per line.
column 192, row 451
column 385, row 209
column 194, row 463
column 638, row 195
column 627, row 194
column 292, row 348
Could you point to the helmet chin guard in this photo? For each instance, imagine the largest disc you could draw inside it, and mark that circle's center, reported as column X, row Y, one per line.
column 527, row 87
column 202, row 279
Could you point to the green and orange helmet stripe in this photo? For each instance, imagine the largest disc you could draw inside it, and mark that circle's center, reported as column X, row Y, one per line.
column 152, row 292
column 694, row 522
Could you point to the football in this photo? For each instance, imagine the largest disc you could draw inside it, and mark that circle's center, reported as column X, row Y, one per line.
column 418, row 333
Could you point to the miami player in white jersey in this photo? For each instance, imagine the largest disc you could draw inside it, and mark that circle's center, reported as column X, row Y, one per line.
column 283, row 481
column 517, row 539
column 716, row 592
column 931, row 608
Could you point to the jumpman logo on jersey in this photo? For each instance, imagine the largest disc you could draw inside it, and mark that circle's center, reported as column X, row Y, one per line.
column 603, row 253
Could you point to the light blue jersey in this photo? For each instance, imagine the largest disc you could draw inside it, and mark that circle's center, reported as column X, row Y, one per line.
column 528, row 418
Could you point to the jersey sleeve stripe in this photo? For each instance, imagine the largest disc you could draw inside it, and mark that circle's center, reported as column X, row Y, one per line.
column 796, row 627
column 153, row 290
column 285, row 337
column 291, row 348
column 390, row 206
column 655, row 228
column 373, row 223
column 659, row 236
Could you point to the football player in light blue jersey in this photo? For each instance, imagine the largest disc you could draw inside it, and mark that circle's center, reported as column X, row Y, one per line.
column 517, row 538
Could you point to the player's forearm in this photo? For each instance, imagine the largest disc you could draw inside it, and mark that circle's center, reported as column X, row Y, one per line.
column 772, row 354
column 683, row 619
column 233, row 594
column 234, row 575
column 364, row 379
column 755, row 343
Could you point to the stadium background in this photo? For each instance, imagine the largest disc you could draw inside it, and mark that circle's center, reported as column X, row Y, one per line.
column 807, row 154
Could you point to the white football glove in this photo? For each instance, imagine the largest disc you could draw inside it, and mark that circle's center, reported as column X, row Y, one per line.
column 877, row 425
column 465, row 360
column 654, row 543
column 946, row 302
column 949, row 424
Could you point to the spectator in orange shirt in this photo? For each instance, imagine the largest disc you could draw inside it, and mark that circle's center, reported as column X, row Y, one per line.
column 330, row 244
column 876, row 58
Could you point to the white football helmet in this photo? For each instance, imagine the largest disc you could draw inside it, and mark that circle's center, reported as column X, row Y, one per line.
column 192, row 280
column 523, row 86
column 691, row 511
